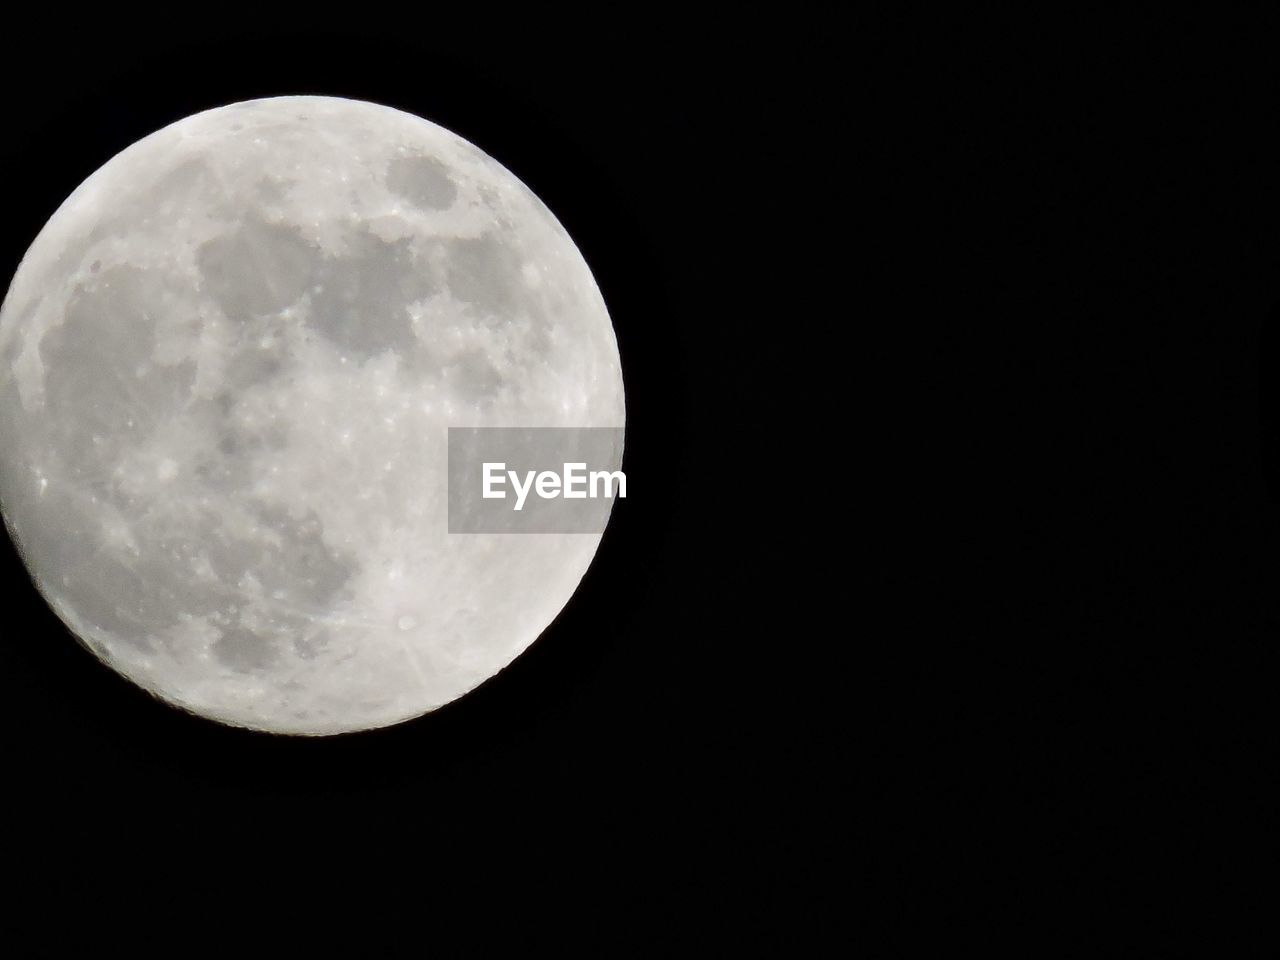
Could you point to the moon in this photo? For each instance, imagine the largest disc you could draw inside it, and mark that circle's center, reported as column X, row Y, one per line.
column 228, row 366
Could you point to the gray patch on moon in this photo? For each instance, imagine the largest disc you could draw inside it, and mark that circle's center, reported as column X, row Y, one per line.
column 423, row 181
column 178, row 189
column 250, row 365
column 472, row 377
column 95, row 383
column 259, row 268
column 360, row 301
column 243, row 651
column 272, row 190
column 485, row 271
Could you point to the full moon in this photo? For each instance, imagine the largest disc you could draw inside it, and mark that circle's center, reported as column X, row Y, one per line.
column 228, row 367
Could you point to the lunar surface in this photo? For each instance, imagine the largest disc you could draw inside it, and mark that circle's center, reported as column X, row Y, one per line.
column 228, row 365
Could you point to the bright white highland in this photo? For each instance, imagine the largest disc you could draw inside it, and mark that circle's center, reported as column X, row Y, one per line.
column 227, row 369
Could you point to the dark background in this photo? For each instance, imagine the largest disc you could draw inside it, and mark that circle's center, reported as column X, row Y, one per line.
column 658, row 748
column 1087, row 234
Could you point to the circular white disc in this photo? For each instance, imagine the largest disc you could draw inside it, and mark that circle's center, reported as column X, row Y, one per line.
column 227, row 369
